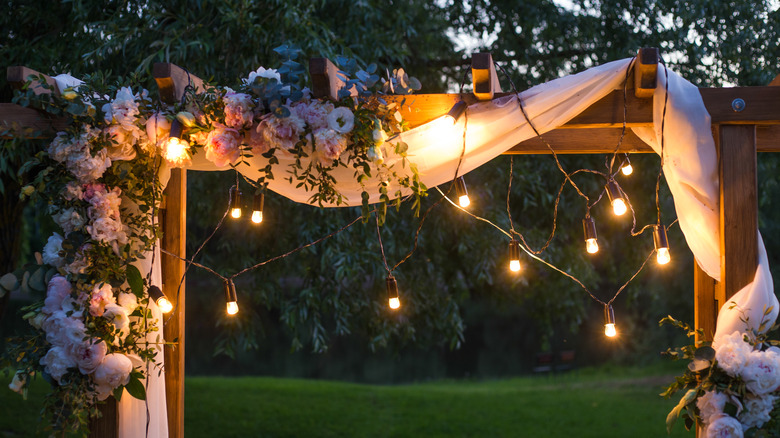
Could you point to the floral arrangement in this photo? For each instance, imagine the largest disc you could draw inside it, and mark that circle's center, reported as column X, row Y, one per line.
column 94, row 332
column 733, row 386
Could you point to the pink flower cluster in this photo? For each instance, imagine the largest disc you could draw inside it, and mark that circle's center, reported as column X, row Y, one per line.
column 223, row 146
column 238, row 110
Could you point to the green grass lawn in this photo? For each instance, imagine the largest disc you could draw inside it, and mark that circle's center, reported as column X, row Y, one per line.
column 617, row 402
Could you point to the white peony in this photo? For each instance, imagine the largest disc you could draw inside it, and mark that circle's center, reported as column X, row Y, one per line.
column 57, row 362
column 102, row 296
column 116, row 315
column 711, row 405
column 724, row 427
column 157, row 128
column 732, row 352
column 762, row 372
column 128, row 301
column 757, row 410
column 51, row 252
column 123, row 109
column 69, row 219
column 87, row 167
column 268, row 73
column 88, row 355
column 341, row 120
column 113, row 371
column 124, row 142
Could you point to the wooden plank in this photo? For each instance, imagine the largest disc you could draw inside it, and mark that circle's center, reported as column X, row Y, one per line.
column 29, row 123
column 174, row 222
column 325, row 79
column 483, row 76
column 738, row 208
column 172, row 80
column 646, row 72
column 775, row 82
column 704, row 304
column 582, row 141
column 761, row 105
column 17, row 76
column 107, row 426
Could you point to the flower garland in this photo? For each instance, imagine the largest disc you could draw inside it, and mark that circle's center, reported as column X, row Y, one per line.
column 732, row 386
column 95, row 333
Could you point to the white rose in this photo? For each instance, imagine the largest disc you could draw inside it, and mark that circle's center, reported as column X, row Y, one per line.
column 732, row 352
column 51, row 252
column 341, row 120
column 762, row 372
column 724, row 427
column 113, row 371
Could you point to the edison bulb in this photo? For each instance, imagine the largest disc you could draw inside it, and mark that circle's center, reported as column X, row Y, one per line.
column 610, row 331
column 232, row 307
column 176, row 151
column 464, row 201
column 257, row 216
column 164, row 305
column 514, row 265
column 394, row 303
column 627, row 169
column 592, row 246
column 619, row 206
column 236, row 213
column 663, row 256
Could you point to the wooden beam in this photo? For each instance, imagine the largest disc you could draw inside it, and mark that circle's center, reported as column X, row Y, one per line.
column 582, row 141
column 775, row 82
column 174, row 225
column 326, row 81
column 738, row 208
column 483, row 76
column 704, row 303
column 172, row 80
column 646, row 72
column 28, row 123
column 17, row 76
column 760, row 105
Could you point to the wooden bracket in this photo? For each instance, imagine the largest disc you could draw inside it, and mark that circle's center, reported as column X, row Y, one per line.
column 17, row 76
column 172, row 80
column 325, row 79
column 646, row 72
column 483, row 75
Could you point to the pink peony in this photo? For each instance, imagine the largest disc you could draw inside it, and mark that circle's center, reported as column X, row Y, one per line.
column 56, row 291
column 57, row 362
column 238, row 109
column 72, row 191
column 762, row 372
column 123, row 147
column 315, row 114
column 88, row 355
column 222, row 146
column 329, row 145
column 282, row 133
column 113, row 371
column 100, row 298
column 724, row 427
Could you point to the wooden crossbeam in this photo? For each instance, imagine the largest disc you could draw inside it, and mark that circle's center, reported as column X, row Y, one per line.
column 18, row 75
column 483, row 76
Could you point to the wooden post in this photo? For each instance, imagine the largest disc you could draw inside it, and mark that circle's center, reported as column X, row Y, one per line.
column 704, row 303
column 107, row 426
column 483, row 76
column 646, row 72
column 325, row 79
column 172, row 81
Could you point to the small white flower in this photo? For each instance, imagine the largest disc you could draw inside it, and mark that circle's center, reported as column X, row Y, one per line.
column 341, row 120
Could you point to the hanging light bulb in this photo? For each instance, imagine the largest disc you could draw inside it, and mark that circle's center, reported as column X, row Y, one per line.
column 591, row 242
column 514, row 256
column 392, row 293
column 609, row 321
column 160, row 299
column 176, row 150
column 616, row 198
column 626, row 168
column 235, row 202
column 463, row 194
column 457, row 110
column 231, row 297
column 661, row 245
column 257, row 208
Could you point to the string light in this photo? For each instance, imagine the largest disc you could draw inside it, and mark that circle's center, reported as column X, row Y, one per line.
column 235, row 202
column 176, row 149
column 591, row 242
column 257, row 208
column 661, row 245
column 457, row 110
column 627, row 169
column 392, row 293
column 231, row 297
column 514, row 256
column 160, row 299
column 616, row 198
column 609, row 321
column 462, row 192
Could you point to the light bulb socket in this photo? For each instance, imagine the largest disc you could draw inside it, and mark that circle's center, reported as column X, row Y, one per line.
column 155, row 293
column 613, row 191
column 659, row 237
column 392, row 287
column 235, row 197
column 514, row 250
column 176, row 129
column 460, row 187
column 457, row 110
column 609, row 314
column 230, row 292
column 589, row 226
column 626, row 161
column 259, row 202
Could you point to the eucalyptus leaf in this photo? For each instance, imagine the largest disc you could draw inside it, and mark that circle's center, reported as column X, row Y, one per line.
column 9, row 282
column 704, row 353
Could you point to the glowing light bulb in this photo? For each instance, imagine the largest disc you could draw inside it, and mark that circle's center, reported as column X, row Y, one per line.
column 514, row 256
column 232, row 307
column 230, row 297
column 455, row 112
column 257, row 207
column 464, row 201
column 257, row 216
column 592, row 245
column 619, row 206
column 609, row 321
column 164, row 305
column 589, row 225
column 627, row 169
column 514, row 265
column 462, row 192
column 235, row 202
column 392, row 293
column 394, row 303
column 235, row 212
column 663, row 256
column 177, row 151
column 610, row 330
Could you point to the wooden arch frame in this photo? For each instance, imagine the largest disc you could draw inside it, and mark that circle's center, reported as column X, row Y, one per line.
column 738, row 134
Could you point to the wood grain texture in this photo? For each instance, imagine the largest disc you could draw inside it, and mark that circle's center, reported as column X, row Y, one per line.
column 172, row 80
column 646, row 72
column 29, row 123
column 107, row 426
column 325, row 79
column 174, row 225
column 483, row 75
column 761, row 105
column 704, row 304
column 17, row 76
column 738, row 208
column 582, row 141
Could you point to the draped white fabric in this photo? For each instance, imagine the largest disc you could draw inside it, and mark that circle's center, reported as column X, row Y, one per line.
column 690, row 168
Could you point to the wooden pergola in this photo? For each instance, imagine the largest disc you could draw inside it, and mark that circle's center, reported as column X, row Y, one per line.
column 740, row 128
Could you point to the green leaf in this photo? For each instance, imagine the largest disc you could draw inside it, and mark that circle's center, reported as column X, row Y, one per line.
column 9, row 282
column 136, row 388
column 37, row 280
column 135, row 280
column 118, row 393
